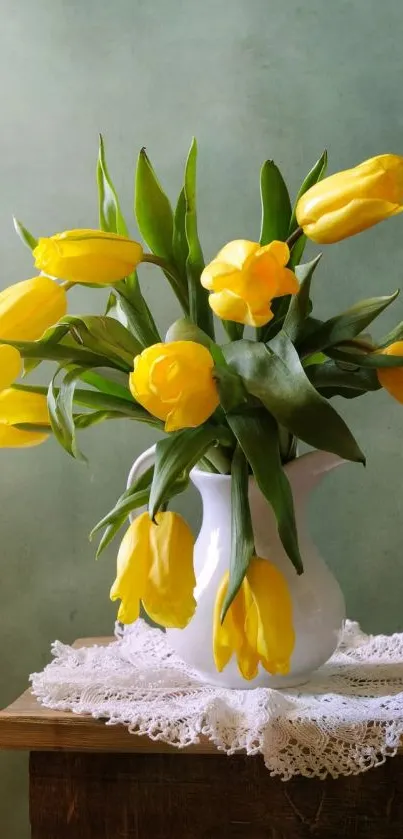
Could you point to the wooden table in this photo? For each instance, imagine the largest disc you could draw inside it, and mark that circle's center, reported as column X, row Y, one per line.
column 92, row 781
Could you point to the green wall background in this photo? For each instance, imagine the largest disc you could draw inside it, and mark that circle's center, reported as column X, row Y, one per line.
column 252, row 79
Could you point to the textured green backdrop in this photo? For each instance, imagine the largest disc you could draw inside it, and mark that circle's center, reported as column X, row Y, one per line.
column 252, row 79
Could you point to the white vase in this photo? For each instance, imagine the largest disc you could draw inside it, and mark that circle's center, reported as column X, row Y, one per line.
column 318, row 603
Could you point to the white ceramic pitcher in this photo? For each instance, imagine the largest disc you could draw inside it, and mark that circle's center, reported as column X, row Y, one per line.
column 318, row 603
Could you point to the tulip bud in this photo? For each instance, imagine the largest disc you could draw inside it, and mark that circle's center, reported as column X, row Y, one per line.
column 88, row 256
column 353, row 200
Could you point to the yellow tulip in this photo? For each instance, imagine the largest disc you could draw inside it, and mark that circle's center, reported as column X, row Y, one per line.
column 351, row 201
column 28, row 308
column 391, row 378
column 88, row 256
column 155, row 567
column 245, row 278
column 20, row 407
column 10, row 365
column 258, row 625
column 174, row 382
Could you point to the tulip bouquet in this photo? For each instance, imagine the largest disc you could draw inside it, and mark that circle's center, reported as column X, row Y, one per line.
column 236, row 407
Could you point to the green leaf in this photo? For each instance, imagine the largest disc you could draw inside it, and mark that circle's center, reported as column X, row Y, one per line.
column 331, row 376
column 26, row 237
column 257, row 434
column 152, row 209
column 140, row 321
column 316, row 174
column 274, row 374
column 177, row 454
column 365, row 359
column 111, row 218
column 242, row 539
column 345, row 326
column 127, row 502
column 300, row 304
column 234, row 330
column 276, row 205
column 51, row 337
column 50, row 352
column 200, row 312
column 105, row 335
column 106, row 385
column 184, row 329
column 60, row 409
column 180, row 247
column 394, row 335
column 109, row 534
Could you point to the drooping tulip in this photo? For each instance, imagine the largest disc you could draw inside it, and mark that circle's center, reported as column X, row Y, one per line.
column 155, row 568
column 244, row 279
column 174, row 382
column 258, row 626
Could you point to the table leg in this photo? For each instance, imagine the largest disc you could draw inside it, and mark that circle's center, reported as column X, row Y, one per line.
column 180, row 796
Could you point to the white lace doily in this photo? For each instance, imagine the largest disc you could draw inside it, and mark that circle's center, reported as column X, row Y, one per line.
column 347, row 719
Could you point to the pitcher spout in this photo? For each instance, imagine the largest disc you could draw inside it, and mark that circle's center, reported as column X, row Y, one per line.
column 306, row 472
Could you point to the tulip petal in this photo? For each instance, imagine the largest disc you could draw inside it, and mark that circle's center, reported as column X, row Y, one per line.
column 357, row 216
column 391, row 378
column 10, row 365
column 217, row 274
column 287, row 282
column 13, row 438
column 30, row 307
column 17, row 406
column 237, row 252
column 229, row 637
column 168, row 597
column 278, row 250
column 88, row 256
column 275, row 638
column 133, row 562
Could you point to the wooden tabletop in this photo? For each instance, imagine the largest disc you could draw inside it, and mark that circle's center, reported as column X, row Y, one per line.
column 26, row 725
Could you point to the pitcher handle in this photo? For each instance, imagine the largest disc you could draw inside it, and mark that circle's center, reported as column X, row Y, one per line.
column 140, row 466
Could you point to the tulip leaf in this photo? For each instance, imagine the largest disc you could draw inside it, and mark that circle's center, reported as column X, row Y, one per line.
column 177, row 454
column 59, row 352
column 184, row 329
column 200, row 312
column 373, row 360
column 140, row 321
column 242, row 539
column 60, row 409
column 152, row 209
column 257, row 433
column 347, row 325
column 105, row 335
column 111, row 218
column 109, row 386
column 316, row 174
column 127, row 502
column 180, row 247
column 331, row 379
column 276, row 205
column 26, row 237
column 300, row 304
column 394, row 335
column 274, row 374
